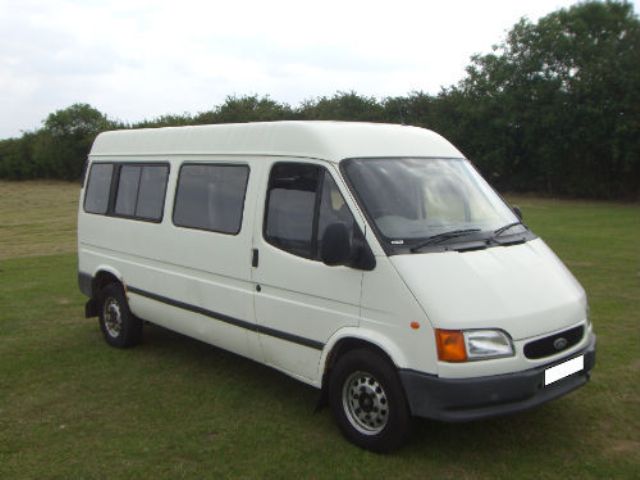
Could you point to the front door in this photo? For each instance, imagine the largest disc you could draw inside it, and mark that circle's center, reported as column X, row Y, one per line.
column 300, row 302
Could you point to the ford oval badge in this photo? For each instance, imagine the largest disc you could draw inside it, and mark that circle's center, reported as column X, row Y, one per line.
column 560, row 343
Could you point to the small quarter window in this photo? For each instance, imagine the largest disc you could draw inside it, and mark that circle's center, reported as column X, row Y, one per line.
column 211, row 197
column 96, row 199
column 333, row 209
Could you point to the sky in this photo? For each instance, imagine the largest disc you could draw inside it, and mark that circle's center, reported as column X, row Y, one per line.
column 139, row 59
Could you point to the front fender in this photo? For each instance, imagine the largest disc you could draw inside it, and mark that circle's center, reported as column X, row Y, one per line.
column 391, row 348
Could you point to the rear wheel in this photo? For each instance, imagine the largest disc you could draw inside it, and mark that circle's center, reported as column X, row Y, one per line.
column 368, row 402
column 119, row 326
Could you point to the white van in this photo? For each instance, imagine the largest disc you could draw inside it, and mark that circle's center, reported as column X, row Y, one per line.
column 370, row 261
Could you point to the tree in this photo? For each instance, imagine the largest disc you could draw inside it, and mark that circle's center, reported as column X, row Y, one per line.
column 16, row 157
column 561, row 99
column 343, row 106
column 247, row 109
column 170, row 120
column 62, row 146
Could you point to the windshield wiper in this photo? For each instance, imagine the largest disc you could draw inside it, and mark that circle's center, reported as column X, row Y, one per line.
column 501, row 230
column 443, row 236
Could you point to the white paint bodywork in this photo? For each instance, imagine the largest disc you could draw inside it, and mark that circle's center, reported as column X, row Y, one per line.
column 522, row 289
column 329, row 141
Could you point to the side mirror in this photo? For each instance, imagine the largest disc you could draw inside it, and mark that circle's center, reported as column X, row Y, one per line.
column 517, row 211
column 336, row 245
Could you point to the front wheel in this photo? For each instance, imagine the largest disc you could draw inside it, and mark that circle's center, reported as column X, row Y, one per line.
column 368, row 401
column 119, row 326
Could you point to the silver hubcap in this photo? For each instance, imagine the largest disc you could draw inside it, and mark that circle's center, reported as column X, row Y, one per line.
column 365, row 403
column 112, row 317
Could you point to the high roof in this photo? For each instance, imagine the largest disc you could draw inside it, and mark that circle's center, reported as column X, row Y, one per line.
column 331, row 141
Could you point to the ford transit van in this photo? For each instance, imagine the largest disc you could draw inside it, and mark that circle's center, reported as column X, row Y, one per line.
column 370, row 261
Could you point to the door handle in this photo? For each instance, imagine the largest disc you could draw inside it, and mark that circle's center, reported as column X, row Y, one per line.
column 254, row 258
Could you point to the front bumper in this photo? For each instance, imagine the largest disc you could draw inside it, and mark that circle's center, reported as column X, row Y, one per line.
column 463, row 399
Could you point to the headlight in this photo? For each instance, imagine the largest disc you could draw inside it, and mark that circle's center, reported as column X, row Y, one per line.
column 487, row 344
column 466, row 345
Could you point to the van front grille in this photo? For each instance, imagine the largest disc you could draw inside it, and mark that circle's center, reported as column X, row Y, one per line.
column 553, row 344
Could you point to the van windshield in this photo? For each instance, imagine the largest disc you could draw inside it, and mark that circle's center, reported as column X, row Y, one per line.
column 411, row 199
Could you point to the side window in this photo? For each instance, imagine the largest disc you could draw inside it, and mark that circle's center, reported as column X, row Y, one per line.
column 291, row 201
column 211, row 197
column 153, row 186
column 96, row 198
column 302, row 201
column 141, row 191
column 127, row 190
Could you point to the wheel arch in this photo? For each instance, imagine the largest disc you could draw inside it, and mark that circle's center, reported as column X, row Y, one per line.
column 351, row 339
column 102, row 277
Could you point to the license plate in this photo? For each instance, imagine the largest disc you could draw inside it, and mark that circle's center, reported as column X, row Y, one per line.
column 565, row 369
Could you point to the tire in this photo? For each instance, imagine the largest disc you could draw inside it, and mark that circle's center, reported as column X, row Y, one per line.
column 119, row 326
column 368, row 401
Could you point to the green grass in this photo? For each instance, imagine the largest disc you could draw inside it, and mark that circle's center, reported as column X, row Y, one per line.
column 72, row 407
column 37, row 218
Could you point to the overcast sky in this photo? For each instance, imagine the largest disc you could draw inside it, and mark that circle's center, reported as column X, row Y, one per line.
column 139, row 59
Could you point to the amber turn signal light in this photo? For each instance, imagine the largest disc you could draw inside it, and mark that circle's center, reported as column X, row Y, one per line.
column 451, row 346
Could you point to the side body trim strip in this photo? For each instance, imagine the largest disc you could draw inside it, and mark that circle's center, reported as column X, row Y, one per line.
column 307, row 342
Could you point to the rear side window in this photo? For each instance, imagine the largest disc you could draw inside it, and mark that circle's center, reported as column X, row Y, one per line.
column 127, row 191
column 211, row 197
column 153, row 184
column 141, row 191
column 96, row 198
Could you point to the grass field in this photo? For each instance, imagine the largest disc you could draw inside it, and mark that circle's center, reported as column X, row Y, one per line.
column 72, row 407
